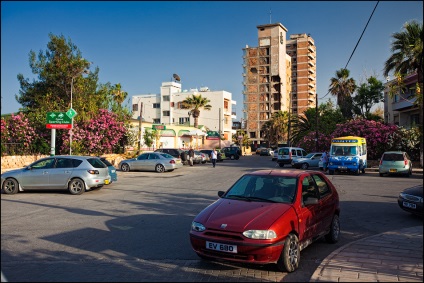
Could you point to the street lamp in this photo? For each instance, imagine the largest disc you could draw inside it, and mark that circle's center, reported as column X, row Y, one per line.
column 72, row 119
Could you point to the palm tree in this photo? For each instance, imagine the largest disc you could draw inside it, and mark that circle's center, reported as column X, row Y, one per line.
column 280, row 125
column 343, row 87
column 407, row 57
column 118, row 94
column 195, row 103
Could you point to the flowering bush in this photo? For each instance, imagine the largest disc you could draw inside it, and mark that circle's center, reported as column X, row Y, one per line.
column 102, row 134
column 308, row 142
column 17, row 135
column 380, row 137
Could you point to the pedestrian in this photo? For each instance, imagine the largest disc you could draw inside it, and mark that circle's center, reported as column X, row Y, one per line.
column 191, row 156
column 214, row 156
column 324, row 159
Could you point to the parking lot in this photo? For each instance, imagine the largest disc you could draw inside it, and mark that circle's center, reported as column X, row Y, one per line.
column 137, row 228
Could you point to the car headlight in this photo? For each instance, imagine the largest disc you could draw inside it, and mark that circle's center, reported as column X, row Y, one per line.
column 196, row 226
column 355, row 164
column 260, row 234
column 402, row 195
column 331, row 163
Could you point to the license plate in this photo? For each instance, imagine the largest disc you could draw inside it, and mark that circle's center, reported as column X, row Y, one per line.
column 342, row 167
column 392, row 170
column 221, row 247
column 409, row 205
column 106, row 182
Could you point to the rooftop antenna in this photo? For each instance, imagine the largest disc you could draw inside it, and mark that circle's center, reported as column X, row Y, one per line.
column 270, row 15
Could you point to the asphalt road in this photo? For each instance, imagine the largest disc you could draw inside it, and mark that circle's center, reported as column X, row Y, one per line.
column 137, row 229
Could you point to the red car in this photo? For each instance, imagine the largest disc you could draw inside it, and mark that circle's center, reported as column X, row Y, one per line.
column 268, row 216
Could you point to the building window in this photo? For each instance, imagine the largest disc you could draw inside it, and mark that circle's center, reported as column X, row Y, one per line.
column 135, row 107
column 166, row 113
column 166, row 98
column 183, row 120
column 252, row 135
column 156, row 105
column 415, row 120
column 156, row 121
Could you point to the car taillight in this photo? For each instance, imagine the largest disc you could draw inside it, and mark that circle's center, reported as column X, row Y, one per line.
column 290, row 155
column 172, row 161
column 381, row 160
column 406, row 161
column 93, row 172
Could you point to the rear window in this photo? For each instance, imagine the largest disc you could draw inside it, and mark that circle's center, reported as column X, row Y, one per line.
column 96, row 163
column 284, row 151
column 393, row 157
column 105, row 161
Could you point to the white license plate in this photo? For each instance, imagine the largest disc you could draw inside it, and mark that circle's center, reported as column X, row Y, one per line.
column 221, row 247
column 409, row 205
column 342, row 167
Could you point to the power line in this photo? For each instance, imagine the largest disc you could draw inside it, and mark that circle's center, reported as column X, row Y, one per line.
column 358, row 40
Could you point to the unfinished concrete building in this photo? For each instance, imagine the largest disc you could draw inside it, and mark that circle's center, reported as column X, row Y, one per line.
column 302, row 50
column 266, row 82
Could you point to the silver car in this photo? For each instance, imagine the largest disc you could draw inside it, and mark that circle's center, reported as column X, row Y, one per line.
column 151, row 161
column 310, row 160
column 74, row 173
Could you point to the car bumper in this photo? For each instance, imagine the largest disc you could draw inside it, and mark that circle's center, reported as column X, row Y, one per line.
column 411, row 207
column 393, row 170
column 284, row 161
column 256, row 252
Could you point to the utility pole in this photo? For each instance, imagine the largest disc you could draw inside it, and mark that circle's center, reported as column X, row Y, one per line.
column 139, row 128
column 219, row 121
column 316, row 122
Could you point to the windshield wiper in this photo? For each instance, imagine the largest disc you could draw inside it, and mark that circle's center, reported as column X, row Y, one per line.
column 250, row 198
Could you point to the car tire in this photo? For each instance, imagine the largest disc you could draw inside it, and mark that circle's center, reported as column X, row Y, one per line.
column 381, row 174
column 76, row 186
column 160, row 168
column 232, row 157
column 125, row 167
column 237, row 157
column 281, row 164
column 357, row 171
column 10, row 186
column 290, row 256
column 305, row 166
column 331, row 172
column 334, row 234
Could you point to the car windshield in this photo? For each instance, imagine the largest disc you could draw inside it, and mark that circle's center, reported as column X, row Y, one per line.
column 338, row 150
column 309, row 155
column 278, row 189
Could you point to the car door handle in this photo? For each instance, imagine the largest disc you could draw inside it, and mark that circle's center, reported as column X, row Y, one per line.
column 67, row 172
column 45, row 172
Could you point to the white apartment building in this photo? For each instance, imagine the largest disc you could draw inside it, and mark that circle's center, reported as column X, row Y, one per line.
column 166, row 108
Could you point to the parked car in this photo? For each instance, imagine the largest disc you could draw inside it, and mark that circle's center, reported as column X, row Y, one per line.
column 310, row 160
column 203, row 157
column 208, row 152
column 286, row 155
column 111, row 168
column 197, row 157
column 259, row 149
column 220, row 155
column 76, row 174
column 395, row 163
column 231, row 152
column 151, row 161
column 175, row 152
column 411, row 200
column 266, row 152
column 268, row 216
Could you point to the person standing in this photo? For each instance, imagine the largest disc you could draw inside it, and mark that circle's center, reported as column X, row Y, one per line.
column 325, row 161
column 191, row 156
column 214, row 156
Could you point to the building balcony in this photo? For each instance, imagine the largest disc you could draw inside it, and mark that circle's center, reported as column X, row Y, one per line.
column 403, row 104
column 312, row 57
column 310, row 70
column 311, row 92
column 311, row 78
column 310, row 63
column 310, row 48
column 311, row 85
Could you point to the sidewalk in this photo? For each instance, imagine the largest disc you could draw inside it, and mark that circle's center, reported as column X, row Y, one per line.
column 395, row 256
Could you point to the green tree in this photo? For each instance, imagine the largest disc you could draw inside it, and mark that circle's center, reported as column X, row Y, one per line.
column 195, row 103
column 368, row 94
column 407, row 57
column 343, row 87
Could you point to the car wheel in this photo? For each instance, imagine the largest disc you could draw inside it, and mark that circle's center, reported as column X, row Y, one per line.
column 357, row 172
column 125, row 167
column 76, row 186
column 363, row 170
column 290, row 256
column 331, row 172
column 159, row 168
column 237, row 157
column 305, row 166
column 232, row 157
column 333, row 236
column 281, row 164
column 10, row 186
column 381, row 174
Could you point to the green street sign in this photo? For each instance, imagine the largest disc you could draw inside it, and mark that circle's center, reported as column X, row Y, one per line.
column 71, row 113
column 58, row 118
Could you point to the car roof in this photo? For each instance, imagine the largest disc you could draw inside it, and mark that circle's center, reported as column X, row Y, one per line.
column 282, row 172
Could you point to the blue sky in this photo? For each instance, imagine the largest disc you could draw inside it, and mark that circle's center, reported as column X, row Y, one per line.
column 141, row 44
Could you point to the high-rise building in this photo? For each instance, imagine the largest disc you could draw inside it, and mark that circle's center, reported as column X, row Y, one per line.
column 266, row 72
column 302, row 50
column 278, row 75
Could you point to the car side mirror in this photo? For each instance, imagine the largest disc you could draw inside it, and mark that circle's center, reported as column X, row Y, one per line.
column 221, row 193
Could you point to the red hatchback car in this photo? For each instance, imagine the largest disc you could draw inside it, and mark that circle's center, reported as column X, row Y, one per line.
column 268, row 216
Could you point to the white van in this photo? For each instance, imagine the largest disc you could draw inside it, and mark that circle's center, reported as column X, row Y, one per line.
column 286, row 154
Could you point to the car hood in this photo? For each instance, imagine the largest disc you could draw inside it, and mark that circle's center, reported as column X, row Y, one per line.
column 14, row 172
column 301, row 159
column 239, row 216
column 416, row 191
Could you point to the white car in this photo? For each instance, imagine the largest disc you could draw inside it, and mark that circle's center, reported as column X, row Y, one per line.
column 275, row 154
